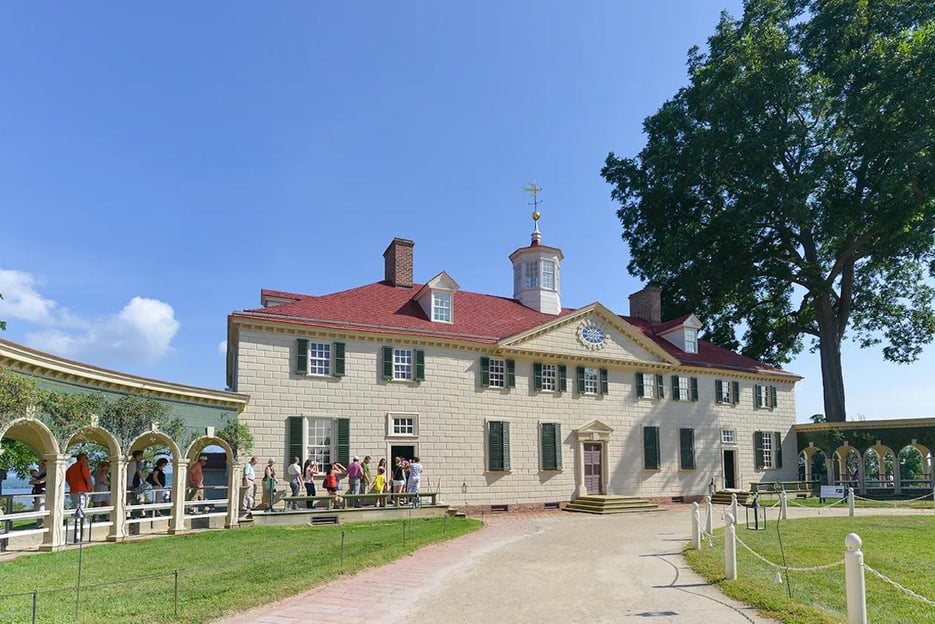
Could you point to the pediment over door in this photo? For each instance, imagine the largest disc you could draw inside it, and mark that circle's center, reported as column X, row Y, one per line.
column 593, row 431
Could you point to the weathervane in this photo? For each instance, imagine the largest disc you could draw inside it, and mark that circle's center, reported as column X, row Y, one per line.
column 534, row 190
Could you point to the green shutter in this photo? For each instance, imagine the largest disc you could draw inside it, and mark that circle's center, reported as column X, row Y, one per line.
column 562, row 378
column 639, row 385
column 604, row 384
column 758, row 450
column 675, row 388
column 387, row 362
column 338, row 370
column 484, row 371
column 651, row 448
column 301, row 358
column 579, row 378
column 498, row 446
column 772, row 397
column 420, row 364
column 687, row 449
column 294, row 432
column 718, row 390
column 778, row 449
column 735, row 394
column 537, row 376
column 551, row 450
column 757, row 396
column 694, row 388
column 660, row 387
column 343, row 440
column 510, row 374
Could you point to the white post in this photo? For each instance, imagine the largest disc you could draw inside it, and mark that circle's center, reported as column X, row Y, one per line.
column 696, row 527
column 733, row 505
column 854, row 580
column 933, row 498
column 730, row 549
column 783, row 506
column 850, row 501
column 708, row 520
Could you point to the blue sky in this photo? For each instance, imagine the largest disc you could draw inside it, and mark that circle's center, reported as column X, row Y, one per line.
column 161, row 164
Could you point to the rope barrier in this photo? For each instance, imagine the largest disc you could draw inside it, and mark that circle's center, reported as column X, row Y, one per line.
column 905, row 590
column 818, row 568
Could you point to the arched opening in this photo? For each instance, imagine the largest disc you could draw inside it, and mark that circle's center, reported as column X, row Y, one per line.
column 27, row 507
column 150, row 484
column 873, row 469
column 818, row 469
column 212, row 481
column 914, row 474
column 103, row 451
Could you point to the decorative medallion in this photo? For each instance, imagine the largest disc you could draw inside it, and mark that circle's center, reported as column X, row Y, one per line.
column 591, row 335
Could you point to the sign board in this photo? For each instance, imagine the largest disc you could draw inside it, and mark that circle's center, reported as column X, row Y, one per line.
column 832, row 491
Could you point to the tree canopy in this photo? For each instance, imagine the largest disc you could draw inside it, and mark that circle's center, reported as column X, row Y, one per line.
column 787, row 194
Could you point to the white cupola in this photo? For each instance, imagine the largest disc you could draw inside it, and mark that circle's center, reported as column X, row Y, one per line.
column 536, row 274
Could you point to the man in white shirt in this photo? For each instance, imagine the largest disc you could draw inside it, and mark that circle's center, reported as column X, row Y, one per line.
column 249, row 486
column 294, row 472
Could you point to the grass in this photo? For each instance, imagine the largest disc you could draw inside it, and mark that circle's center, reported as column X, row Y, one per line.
column 900, row 547
column 219, row 572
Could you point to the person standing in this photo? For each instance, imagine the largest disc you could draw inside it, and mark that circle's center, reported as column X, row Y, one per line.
column 415, row 477
column 135, row 479
column 38, row 490
column 78, row 477
column 249, row 486
column 354, row 474
column 399, row 478
column 294, row 472
column 310, row 470
column 269, row 483
column 196, row 483
column 366, row 481
column 157, row 479
column 102, row 486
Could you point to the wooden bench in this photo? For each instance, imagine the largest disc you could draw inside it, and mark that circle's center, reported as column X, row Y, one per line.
column 346, row 500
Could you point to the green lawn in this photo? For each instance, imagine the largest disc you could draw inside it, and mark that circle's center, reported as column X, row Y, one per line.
column 220, row 572
column 900, row 547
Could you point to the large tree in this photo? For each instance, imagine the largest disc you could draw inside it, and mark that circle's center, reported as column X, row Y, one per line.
column 787, row 194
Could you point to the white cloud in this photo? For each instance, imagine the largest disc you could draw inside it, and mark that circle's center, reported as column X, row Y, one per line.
column 22, row 301
column 222, row 348
column 140, row 333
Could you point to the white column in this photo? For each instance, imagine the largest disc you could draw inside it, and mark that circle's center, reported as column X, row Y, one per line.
column 233, row 493
column 180, row 474
column 696, row 527
column 708, row 516
column 730, row 549
column 580, row 490
column 54, row 537
column 118, row 498
column 850, row 501
column 854, row 580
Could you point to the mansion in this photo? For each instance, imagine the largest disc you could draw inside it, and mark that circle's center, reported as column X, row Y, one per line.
column 509, row 402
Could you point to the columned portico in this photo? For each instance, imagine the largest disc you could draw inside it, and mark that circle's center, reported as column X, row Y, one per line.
column 593, row 433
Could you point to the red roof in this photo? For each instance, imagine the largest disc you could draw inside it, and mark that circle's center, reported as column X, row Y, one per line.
column 486, row 319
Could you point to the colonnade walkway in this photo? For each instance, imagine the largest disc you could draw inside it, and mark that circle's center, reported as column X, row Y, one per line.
column 529, row 567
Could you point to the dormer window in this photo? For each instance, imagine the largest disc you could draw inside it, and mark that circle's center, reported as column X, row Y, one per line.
column 548, row 274
column 532, row 275
column 691, row 340
column 441, row 307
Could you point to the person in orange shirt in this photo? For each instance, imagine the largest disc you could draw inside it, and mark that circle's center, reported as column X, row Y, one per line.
column 79, row 481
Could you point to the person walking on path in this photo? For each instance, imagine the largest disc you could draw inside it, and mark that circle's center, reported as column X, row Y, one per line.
column 366, row 481
column 249, row 486
column 157, row 479
column 415, row 478
column 354, row 474
column 294, row 472
column 196, row 483
column 269, row 484
column 311, row 471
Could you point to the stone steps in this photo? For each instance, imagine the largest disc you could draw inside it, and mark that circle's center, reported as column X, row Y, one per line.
column 723, row 497
column 611, row 505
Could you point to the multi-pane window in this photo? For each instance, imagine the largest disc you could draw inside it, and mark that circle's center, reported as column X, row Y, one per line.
column 684, row 388
column 319, row 440
column 549, row 377
column 531, row 275
column 404, row 426
column 498, row 446
column 764, row 397
column 728, row 436
column 319, row 358
column 548, row 274
column 649, row 386
column 402, row 363
column 441, row 307
column 726, row 392
column 550, row 447
column 766, row 447
column 517, row 277
column 497, row 371
column 691, row 341
column 590, row 381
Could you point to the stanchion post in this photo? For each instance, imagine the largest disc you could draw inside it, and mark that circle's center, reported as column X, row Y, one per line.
column 730, row 548
column 35, row 595
column 176, row 593
column 696, row 527
column 708, row 513
column 854, row 580
column 783, row 506
column 733, row 505
column 850, row 501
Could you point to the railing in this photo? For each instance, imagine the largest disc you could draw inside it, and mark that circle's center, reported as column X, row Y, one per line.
column 774, row 487
column 9, row 518
column 347, row 501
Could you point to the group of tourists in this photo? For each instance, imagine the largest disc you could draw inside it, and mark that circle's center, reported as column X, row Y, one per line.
column 361, row 478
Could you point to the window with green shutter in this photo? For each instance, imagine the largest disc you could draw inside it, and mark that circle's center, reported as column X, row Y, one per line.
column 510, row 374
column 562, row 378
column 694, row 388
column 758, row 450
column 604, row 385
column 777, row 449
column 537, row 376
column 772, row 397
column 420, row 365
column 387, row 362
column 338, row 359
column 295, row 438
column 343, row 440
column 660, row 386
column 640, row 389
column 579, row 379
column 651, row 460
column 498, row 446
column 301, row 357
column 485, row 371
column 551, row 446
column 687, row 449
column 735, row 392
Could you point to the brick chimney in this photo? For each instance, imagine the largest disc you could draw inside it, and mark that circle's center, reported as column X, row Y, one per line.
column 398, row 262
column 647, row 304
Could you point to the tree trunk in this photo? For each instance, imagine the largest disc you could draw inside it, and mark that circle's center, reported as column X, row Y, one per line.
column 829, row 347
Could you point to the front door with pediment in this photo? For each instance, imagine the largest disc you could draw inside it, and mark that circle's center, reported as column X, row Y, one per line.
column 593, row 468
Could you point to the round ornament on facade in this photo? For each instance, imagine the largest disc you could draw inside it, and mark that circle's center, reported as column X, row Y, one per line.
column 591, row 335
